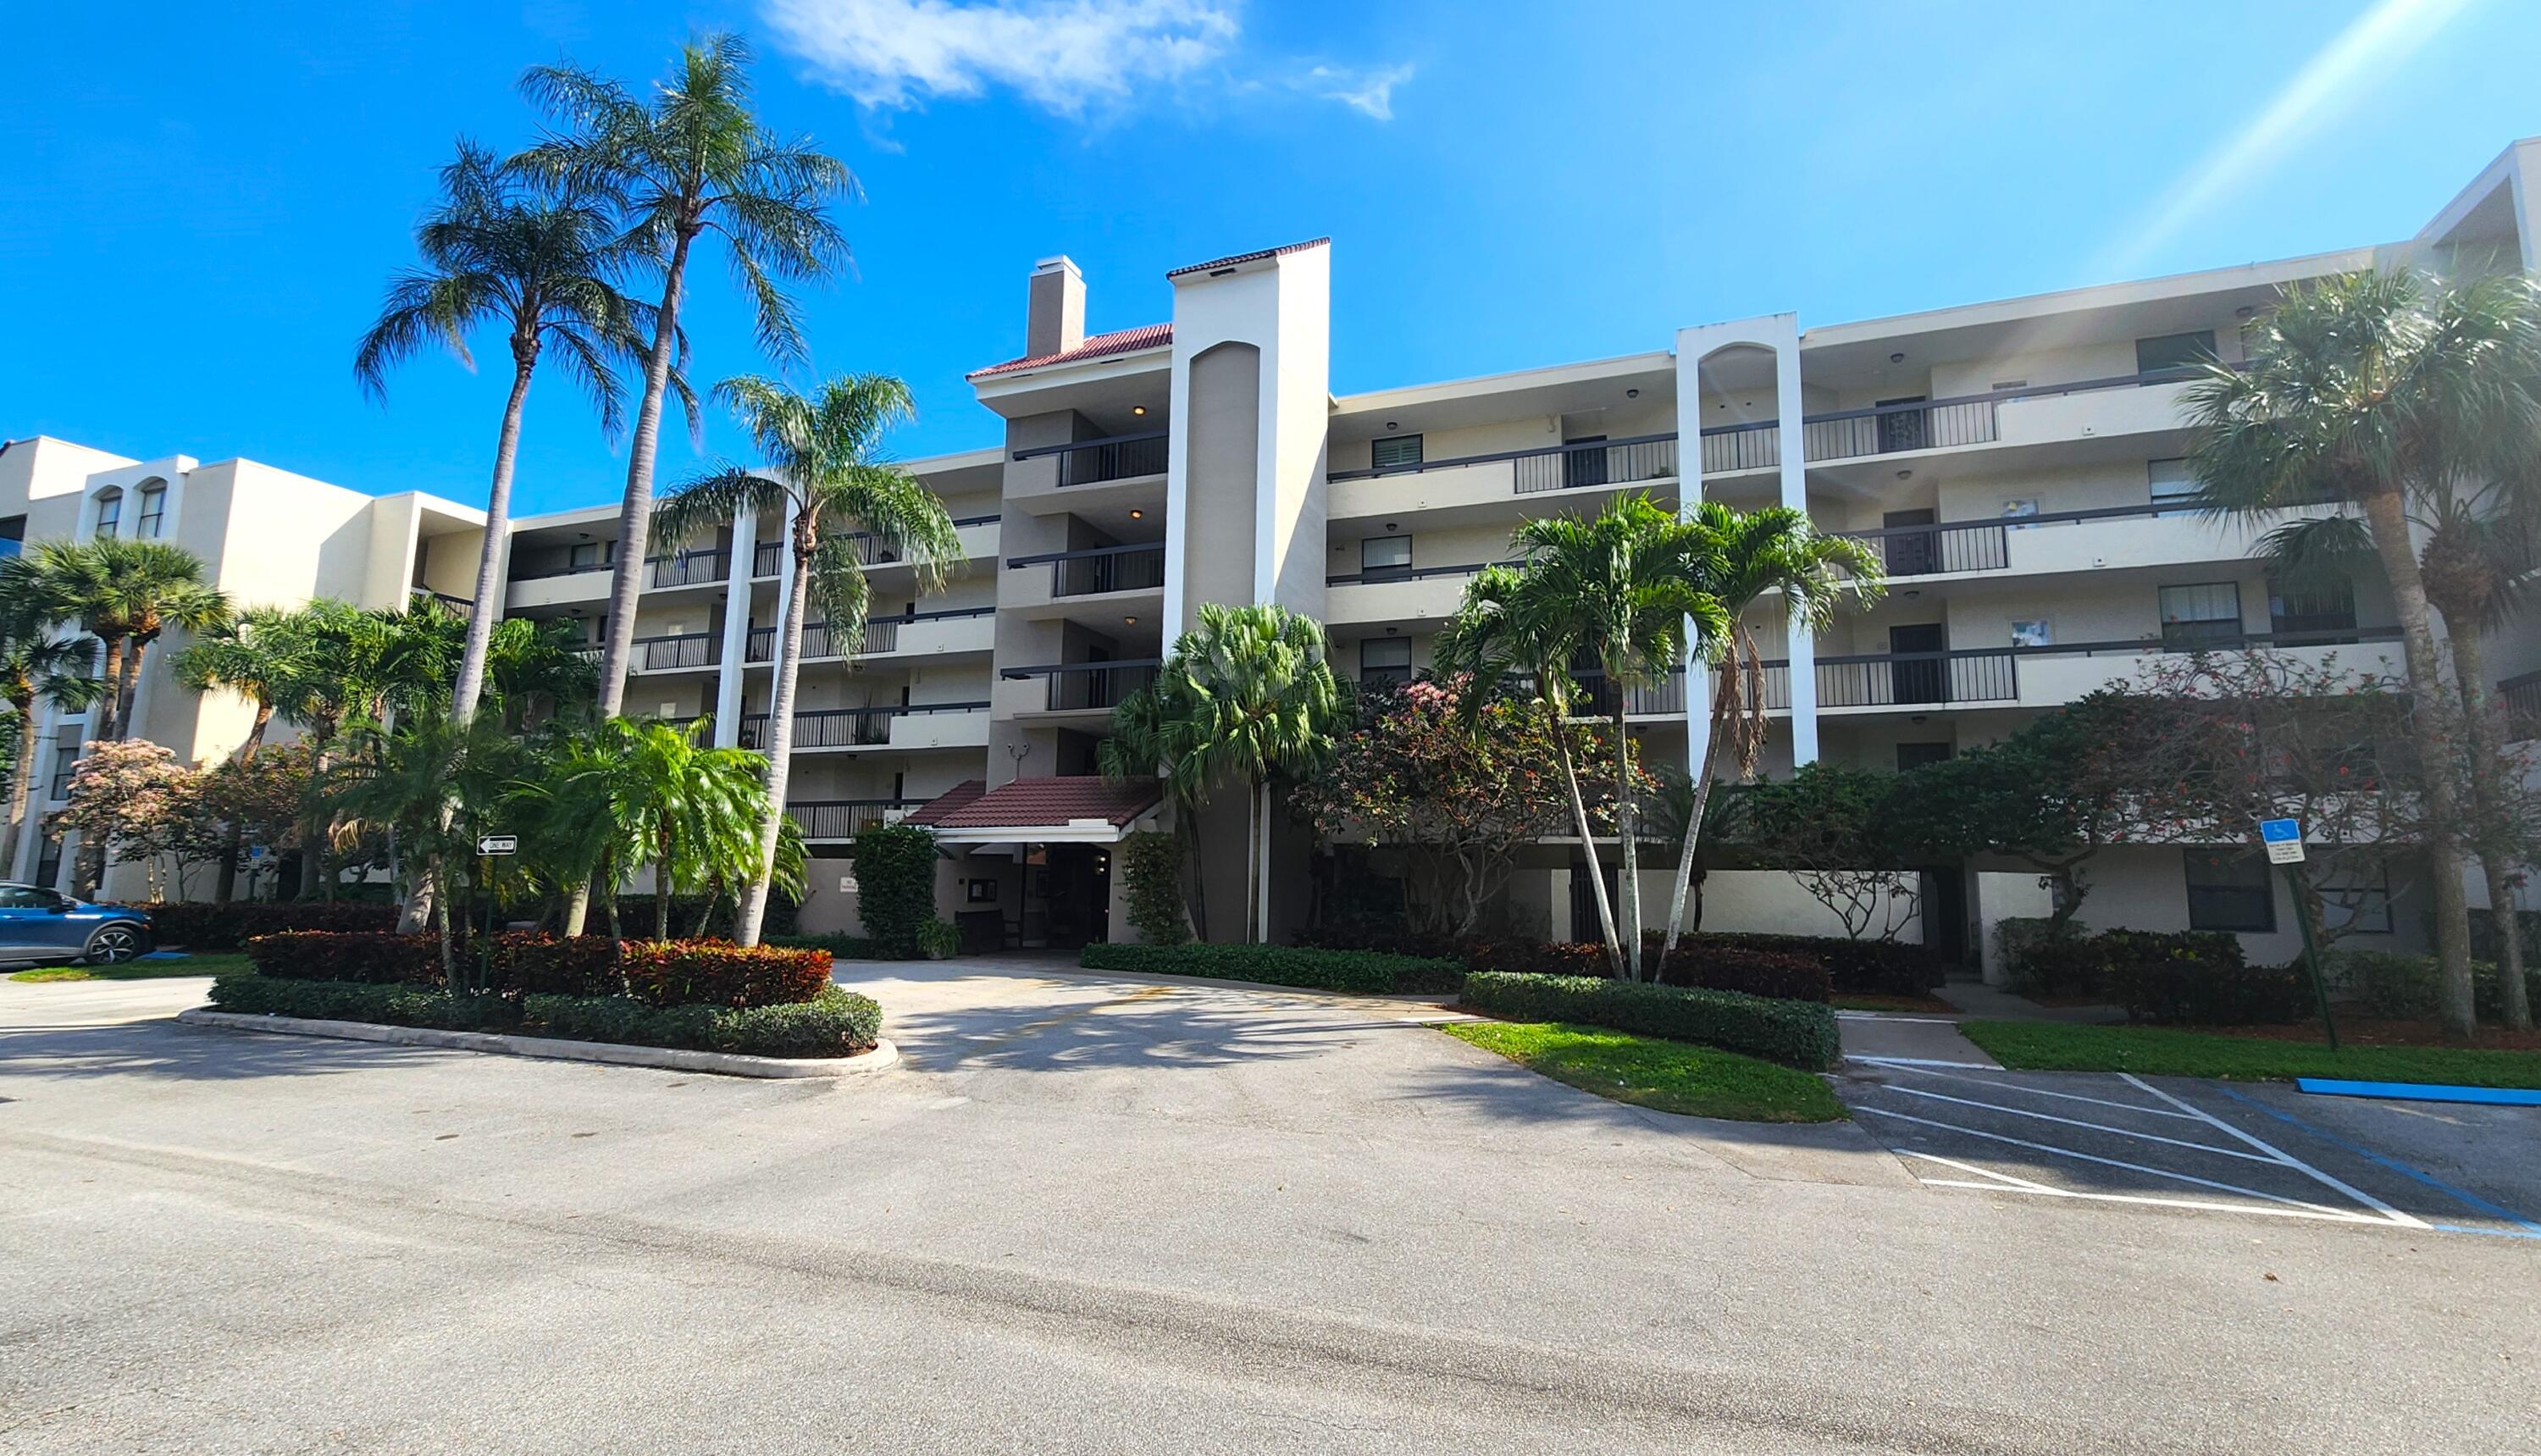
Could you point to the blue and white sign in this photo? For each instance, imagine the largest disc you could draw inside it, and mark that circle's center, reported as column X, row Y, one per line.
column 2283, row 839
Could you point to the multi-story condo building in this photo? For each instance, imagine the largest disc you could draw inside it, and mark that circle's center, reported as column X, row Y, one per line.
column 2017, row 463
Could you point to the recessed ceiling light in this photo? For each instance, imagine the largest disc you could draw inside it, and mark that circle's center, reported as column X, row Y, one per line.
column 1138, row 515
column 1897, row 358
column 1391, row 425
column 1632, row 394
column 1904, row 474
column 1131, row 620
column 2243, row 311
column 1137, row 409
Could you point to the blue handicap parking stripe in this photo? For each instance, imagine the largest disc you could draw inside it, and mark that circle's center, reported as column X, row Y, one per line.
column 2430, row 1180
column 2421, row 1092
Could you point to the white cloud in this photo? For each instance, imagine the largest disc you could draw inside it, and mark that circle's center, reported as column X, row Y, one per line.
column 1059, row 54
column 1371, row 91
column 1065, row 56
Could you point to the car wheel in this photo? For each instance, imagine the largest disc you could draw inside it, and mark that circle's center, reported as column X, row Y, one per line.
column 113, row 944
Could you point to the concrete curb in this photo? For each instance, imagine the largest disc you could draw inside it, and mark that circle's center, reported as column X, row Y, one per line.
column 665, row 1059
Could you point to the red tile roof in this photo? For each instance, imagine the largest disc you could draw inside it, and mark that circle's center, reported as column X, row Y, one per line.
column 1096, row 346
column 1215, row 264
column 1038, row 803
column 946, row 802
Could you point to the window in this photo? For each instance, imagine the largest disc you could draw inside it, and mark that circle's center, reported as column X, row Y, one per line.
column 27, row 897
column 2312, row 612
column 48, row 866
column 65, row 757
column 110, row 512
column 1384, row 660
column 1385, row 558
column 154, row 511
column 2200, row 618
column 1911, row 756
column 2228, row 890
column 2172, row 356
column 1394, row 452
column 590, row 555
column 2171, row 485
column 13, row 535
column 2358, row 900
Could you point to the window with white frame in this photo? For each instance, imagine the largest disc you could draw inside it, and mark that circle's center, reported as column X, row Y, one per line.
column 1394, row 452
column 154, row 512
column 1385, row 558
column 1384, row 661
column 110, row 513
column 65, row 758
column 2202, row 616
column 2230, row 890
column 2171, row 485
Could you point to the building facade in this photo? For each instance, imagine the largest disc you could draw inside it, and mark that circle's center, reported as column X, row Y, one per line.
column 2016, row 464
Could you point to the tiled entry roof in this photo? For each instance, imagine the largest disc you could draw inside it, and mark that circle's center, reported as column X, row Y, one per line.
column 1124, row 341
column 1038, row 803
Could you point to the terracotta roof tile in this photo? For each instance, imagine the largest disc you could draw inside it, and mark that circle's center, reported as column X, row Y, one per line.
column 1096, row 346
column 1215, row 264
column 1038, row 803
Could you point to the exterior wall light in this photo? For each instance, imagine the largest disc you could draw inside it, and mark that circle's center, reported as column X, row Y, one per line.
column 1897, row 358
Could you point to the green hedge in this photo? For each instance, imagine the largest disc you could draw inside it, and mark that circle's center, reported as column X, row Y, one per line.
column 1799, row 1034
column 835, row 1023
column 1280, row 964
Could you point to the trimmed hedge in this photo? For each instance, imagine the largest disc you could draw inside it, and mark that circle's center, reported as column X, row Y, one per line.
column 835, row 1023
column 2198, row 978
column 1279, row 965
column 1704, row 958
column 1893, row 967
column 1794, row 1033
column 232, row 924
column 535, row 964
column 375, row 957
column 675, row 973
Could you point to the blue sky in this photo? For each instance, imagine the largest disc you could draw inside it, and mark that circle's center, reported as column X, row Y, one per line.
column 203, row 206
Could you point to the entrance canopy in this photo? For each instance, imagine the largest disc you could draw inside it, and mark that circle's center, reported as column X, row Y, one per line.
column 1077, row 809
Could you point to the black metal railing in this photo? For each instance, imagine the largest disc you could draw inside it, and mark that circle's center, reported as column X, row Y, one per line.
column 882, row 634
column 766, row 557
column 1089, row 685
column 1993, row 674
column 2521, row 698
column 1598, row 694
column 1888, row 429
column 864, row 727
column 1113, row 458
column 1926, row 550
column 689, row 568
column 465, row 606
column 1374, row 574
column 1137, row 566
column 825, row 819
column 686, row 650
column 1596, row 463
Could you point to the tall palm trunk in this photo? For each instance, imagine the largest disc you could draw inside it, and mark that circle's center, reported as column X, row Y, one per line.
column 1587, row 838
column 88, row 869
column 22, row 782
column 781, row 734
column 488, row 604
column 103, row 726
column 1627, row 875
column 225, row 886
column 2390, row 527
column 1721, row 704
column 136, row 647
column 662, row 884
column 2486, row 762
column 1256, row 825
column 635, row 516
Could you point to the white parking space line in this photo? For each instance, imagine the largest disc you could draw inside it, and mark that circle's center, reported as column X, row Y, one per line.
column 2067, row 1152
column 2000, row 1086
column 2324, row 1215
column 2288, row 1159
column 2205, row 1147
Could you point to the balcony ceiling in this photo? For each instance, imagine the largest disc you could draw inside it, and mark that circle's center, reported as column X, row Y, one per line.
column 1459, row 403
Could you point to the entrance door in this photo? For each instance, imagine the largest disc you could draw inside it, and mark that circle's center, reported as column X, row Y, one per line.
column 1903, row 429
column 1583, row 462
column 1078, row 897
column 1584, row 928
column 1917, row 678
column 1944, row 911
column 1910, row 553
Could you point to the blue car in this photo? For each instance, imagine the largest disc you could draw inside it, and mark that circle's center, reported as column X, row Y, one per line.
column 50, row 927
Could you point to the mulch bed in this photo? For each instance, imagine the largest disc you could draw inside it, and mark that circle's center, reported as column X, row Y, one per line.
column 2359, row 1032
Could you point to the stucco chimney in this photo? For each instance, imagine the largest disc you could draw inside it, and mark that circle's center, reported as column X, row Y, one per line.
column 1056, row 320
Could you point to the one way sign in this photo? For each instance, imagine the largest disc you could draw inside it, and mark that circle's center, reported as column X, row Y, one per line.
column 500, row 845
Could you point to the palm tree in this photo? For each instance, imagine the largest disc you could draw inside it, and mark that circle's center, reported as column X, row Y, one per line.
column 824, row 475
column 1153, row 729
column 689, row 159
column 1740, row 559
column 541, row 260
column 263, row 656
column 35, row 666
column 1245, row 697
column 695, row 812
column 1615, row 589
column 2383, row 391
column 431, row 785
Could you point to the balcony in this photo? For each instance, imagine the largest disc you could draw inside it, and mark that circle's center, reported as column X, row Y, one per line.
column 884, row 635
column 1596, row 695
column 689, row 568
column 1092, row 571
column 466, row 607
column 1113, row 458
column 1399, row 592
column 2024, row 415
column 1470, row 479
column 2520, row 701
column 768, row 557
column 832, row 820
column 2044, row 677
column 1082, row 687
column 870, row 727
column 677, row 653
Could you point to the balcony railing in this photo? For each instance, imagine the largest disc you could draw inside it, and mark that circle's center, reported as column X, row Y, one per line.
column 1114, row 457
column 1138, row 566
column 2521, row 698
column 686, row 650
column 1993, row 674
column 689, row 568
column 1373, row 574
column 766, row 557
column 550, row 573
column 882, row 634
column 465, row 606
column 1089, row 685
column 865, row 727
column 1565, row 466
column 828, row 820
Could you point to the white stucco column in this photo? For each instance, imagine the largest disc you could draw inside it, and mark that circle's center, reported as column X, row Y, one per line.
column 736, row 628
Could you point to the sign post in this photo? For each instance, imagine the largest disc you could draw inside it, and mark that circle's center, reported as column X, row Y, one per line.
column 2285, row 845
column 487, row 847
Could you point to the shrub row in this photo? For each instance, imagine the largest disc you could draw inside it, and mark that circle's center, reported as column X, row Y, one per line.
column 2391, row 986
column 2176, row 977
column 1794, row 1033
column 229, row 925
column 834, row 1023
column 657, row 972
column 1277, row 965
column 1704, row 959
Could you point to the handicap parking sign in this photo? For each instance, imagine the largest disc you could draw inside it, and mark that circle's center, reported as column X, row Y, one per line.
column 2283, row 839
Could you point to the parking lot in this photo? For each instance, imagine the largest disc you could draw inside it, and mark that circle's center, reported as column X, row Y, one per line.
column 2255, row 1150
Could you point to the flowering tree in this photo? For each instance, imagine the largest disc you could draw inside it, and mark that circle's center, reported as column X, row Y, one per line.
column 131, row 796
column 1457, row 798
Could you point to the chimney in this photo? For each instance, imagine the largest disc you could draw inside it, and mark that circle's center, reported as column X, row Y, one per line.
column 1056, row 320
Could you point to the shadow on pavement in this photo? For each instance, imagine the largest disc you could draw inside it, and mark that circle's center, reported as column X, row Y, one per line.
column 167, row 1051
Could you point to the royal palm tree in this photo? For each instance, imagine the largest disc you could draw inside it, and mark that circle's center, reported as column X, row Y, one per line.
column 688, row 160
column 1245, row 697
column 1740, row 559
column 1616, row 591
column 542, row 259
column 824, row 475
column 2384, row 392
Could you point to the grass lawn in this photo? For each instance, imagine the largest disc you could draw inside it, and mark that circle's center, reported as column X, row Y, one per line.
column 1671, row 1076
column 217, row 963
column 2159, row 1052
column 1874, row 1001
